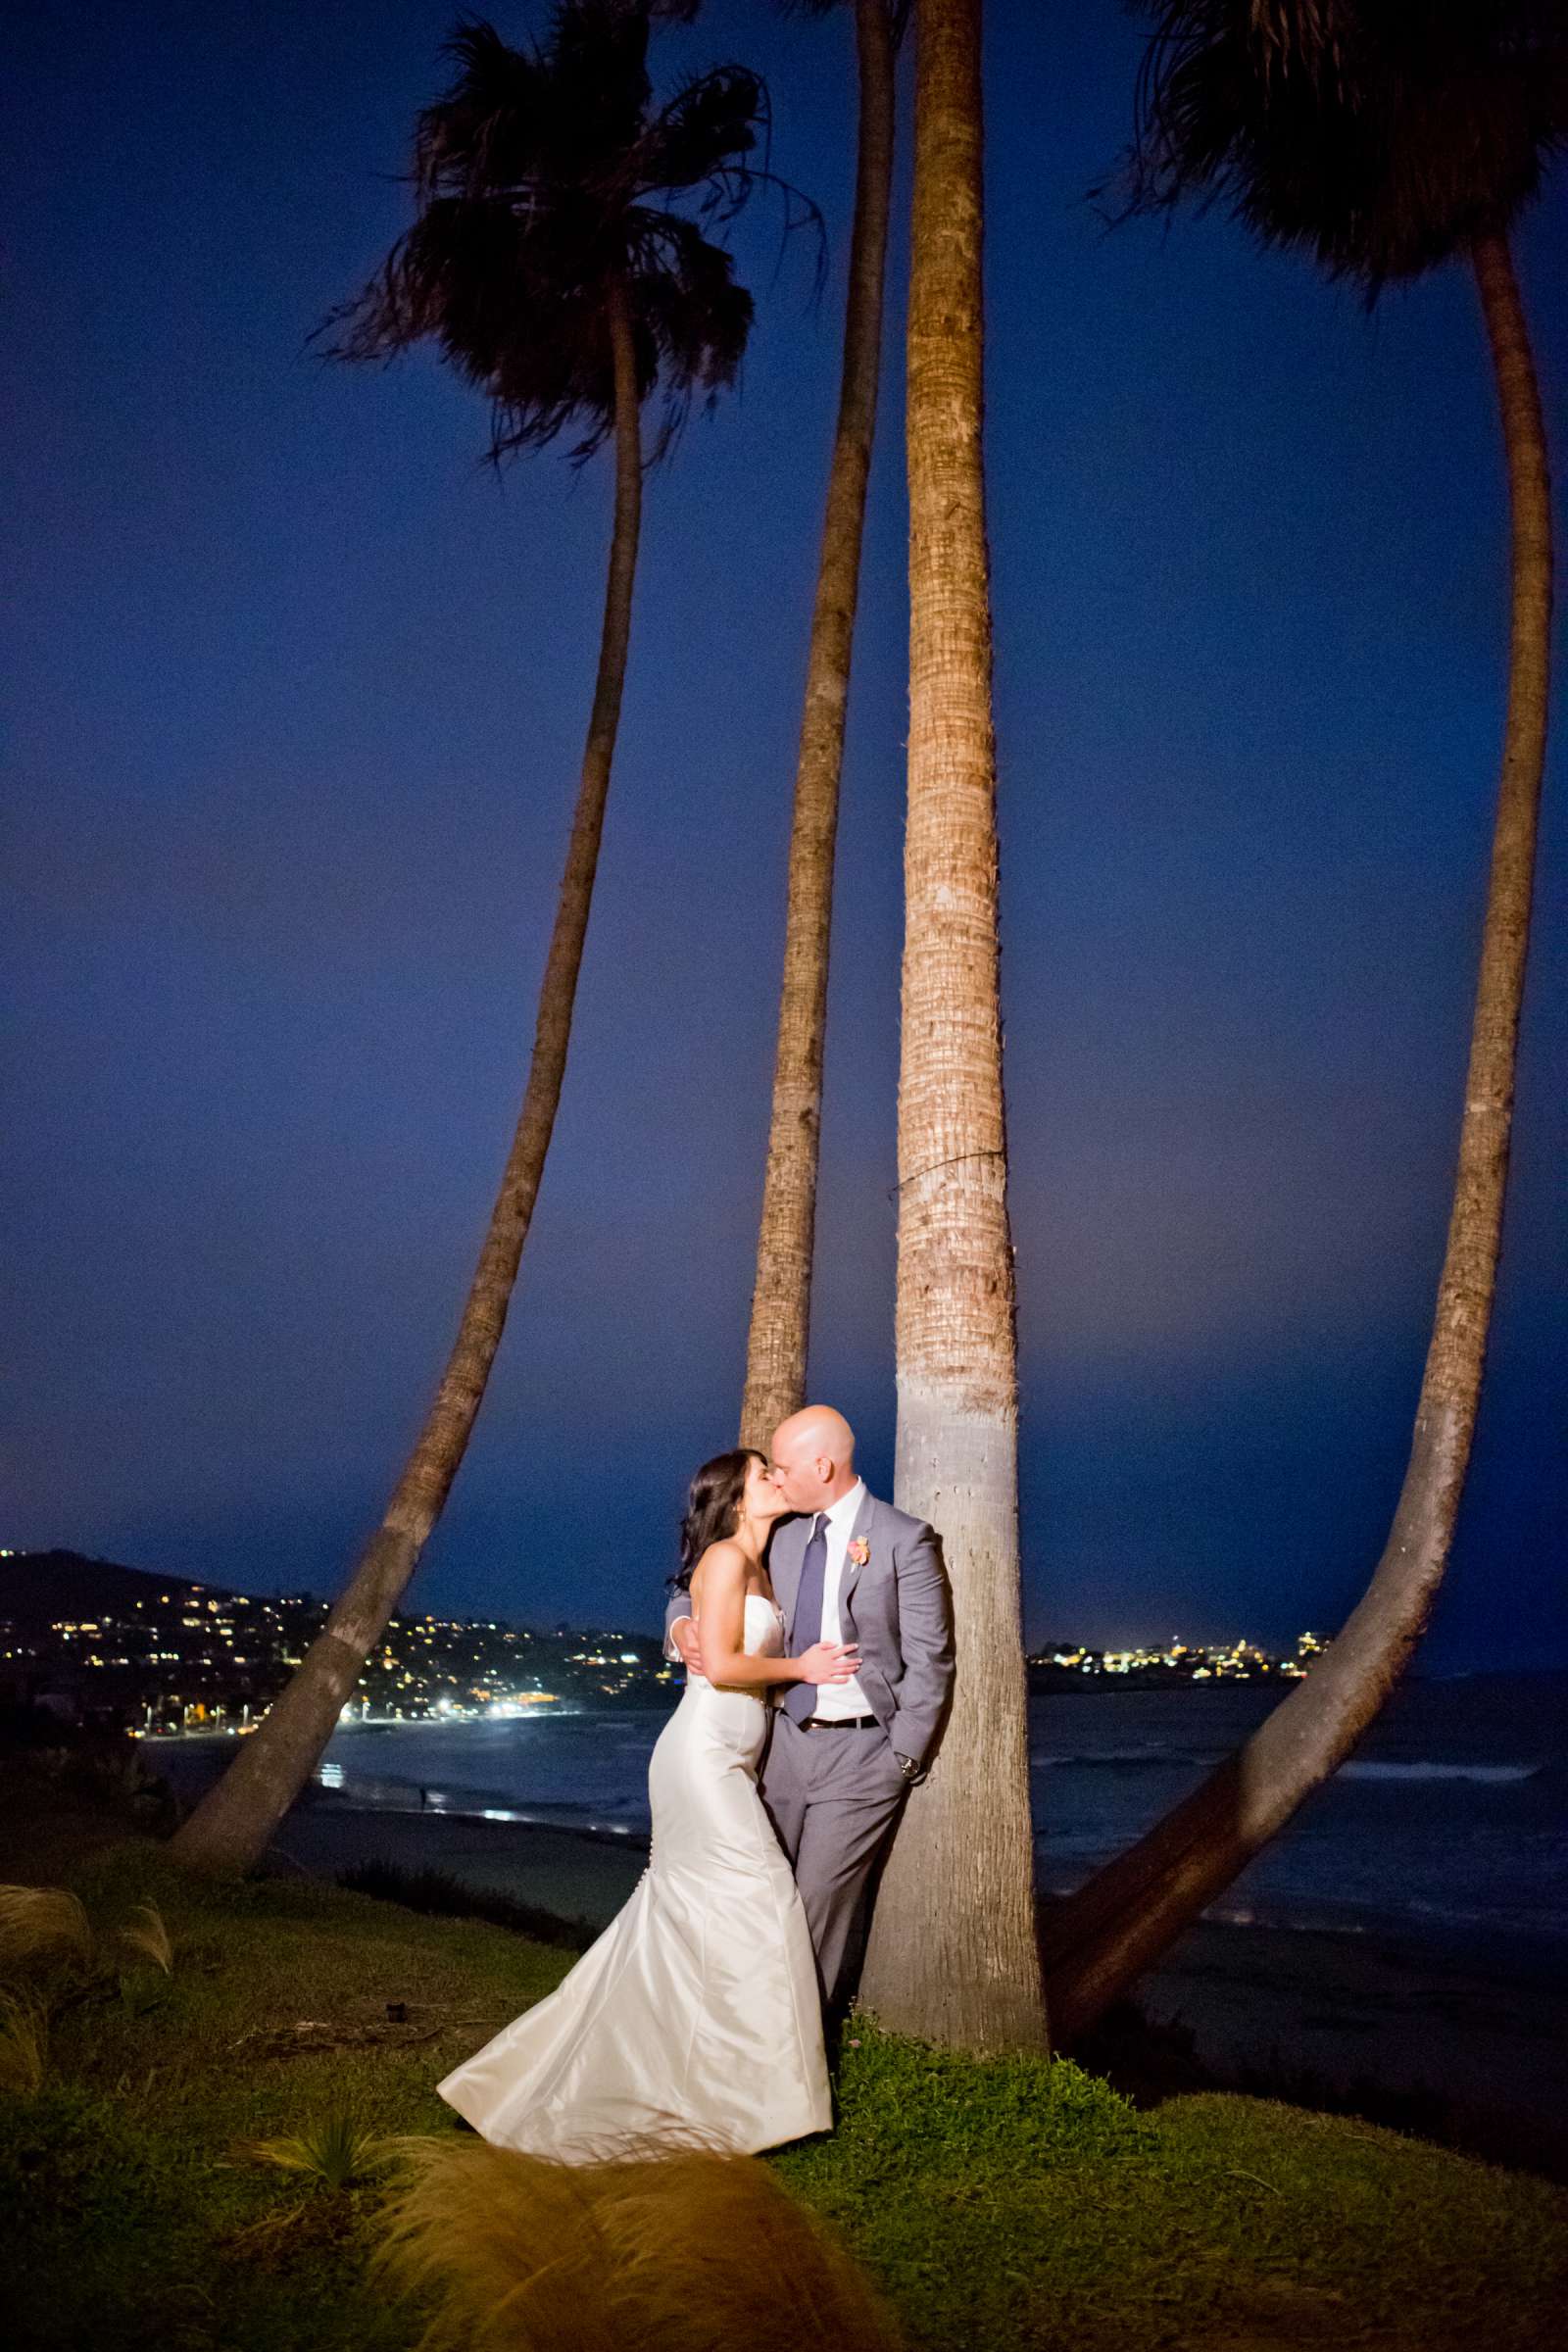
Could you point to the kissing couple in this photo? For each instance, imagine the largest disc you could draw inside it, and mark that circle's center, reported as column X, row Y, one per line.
column 816, row 1624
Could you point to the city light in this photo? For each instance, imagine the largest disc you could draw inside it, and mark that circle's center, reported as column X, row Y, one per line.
column 180, row 1658
column 202, row 1661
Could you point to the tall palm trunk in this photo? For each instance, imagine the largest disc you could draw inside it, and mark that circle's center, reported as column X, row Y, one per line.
column 1103, row 1937
column 781, row 1302
column 953, row 1956
column 234, row 1823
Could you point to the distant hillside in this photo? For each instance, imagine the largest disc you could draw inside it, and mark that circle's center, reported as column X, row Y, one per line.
column 37, row 1587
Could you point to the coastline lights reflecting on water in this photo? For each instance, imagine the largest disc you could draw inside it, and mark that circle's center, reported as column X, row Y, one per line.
column 1454, row 1813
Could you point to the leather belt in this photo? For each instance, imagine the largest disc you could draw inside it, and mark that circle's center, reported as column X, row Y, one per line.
column 840, row 1723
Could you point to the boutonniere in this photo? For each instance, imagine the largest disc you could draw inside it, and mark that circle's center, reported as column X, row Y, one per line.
column 860, row 1550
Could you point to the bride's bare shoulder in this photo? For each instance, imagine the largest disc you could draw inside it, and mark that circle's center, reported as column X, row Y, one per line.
column 724, row 1559
column 720, row 1569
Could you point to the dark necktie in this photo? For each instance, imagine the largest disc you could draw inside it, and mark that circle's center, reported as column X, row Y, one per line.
column 800, row 1698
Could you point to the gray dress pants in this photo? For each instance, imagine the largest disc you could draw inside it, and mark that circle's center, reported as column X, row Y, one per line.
column 834, row 1799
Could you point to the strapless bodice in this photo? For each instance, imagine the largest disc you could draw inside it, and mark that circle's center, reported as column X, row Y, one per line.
column 762, row 1635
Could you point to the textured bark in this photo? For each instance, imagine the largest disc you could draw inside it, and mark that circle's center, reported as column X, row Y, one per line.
column 952, row 1955
column 234, row 1823
column 1103, row 1937
column 781, row 1302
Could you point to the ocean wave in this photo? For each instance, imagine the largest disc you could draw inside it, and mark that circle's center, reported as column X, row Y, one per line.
column 1309, row 1914
column 437, row 1797
column 501, row 1805
column 1155, row 1752
column 468, row 1806
column 1255, row 1915
column 1156, row 1756
column 1438, row 1772
column 1303, row 1921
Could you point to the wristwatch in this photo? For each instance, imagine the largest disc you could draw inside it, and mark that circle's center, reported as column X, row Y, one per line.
column 908, row 1766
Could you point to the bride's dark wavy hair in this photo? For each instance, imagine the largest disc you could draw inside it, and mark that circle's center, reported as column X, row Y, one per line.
column 713, row 1507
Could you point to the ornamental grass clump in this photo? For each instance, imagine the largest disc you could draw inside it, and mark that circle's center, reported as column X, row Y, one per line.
column 681, row 2250
column 43, row 1926
column 23, row 2044
column 145, row 1937
column 335, row 2150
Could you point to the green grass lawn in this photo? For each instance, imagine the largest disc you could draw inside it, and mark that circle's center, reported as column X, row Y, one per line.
column 1002, row 2205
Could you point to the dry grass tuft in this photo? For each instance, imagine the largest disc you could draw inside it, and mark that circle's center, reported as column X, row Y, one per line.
column 147, row 1937
column 679, row 2251
column 44, row 1923
column 23, row 2044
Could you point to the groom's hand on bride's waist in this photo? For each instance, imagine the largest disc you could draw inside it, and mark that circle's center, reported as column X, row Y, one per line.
column 689, row 1650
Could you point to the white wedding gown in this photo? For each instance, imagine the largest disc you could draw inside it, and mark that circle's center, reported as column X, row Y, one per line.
column 696, row 2015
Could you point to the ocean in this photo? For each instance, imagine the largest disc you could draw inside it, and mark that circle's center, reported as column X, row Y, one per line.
column 1453, row 1815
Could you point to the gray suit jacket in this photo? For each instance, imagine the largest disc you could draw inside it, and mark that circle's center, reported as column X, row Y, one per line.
column 899, row 1608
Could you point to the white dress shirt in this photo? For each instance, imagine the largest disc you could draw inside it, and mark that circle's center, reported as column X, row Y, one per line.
column 837, row 1700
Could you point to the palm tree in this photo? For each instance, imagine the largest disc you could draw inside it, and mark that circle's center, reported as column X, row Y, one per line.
column 1387, row 137
column 781, row 1302
column 952, row 1955
column 551, row 268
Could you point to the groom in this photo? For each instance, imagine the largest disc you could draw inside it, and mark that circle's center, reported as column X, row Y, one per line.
column 843, row 1756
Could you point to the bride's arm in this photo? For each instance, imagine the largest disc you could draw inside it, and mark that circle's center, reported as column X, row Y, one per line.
column 718, row 1593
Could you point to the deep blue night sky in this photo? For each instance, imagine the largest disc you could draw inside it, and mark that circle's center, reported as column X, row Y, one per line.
column 297, row 694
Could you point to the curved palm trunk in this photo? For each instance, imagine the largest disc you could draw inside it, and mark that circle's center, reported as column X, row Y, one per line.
column 1103, row 1937
column 953, row 1956
column 781, row 1302
column 234, row 1823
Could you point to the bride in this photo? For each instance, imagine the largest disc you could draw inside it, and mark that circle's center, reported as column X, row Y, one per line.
column 696, row 2015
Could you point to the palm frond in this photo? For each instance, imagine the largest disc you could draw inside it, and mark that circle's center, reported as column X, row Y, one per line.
column 682, row 2250
column 713, row 122
column 44, row 1923
column 734, row 178
column 1381, row 136
column 1299, row 37
column 499, row 100
column 543, row 176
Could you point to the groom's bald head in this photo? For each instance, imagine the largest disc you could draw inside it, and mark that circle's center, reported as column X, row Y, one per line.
column 814, row 1458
